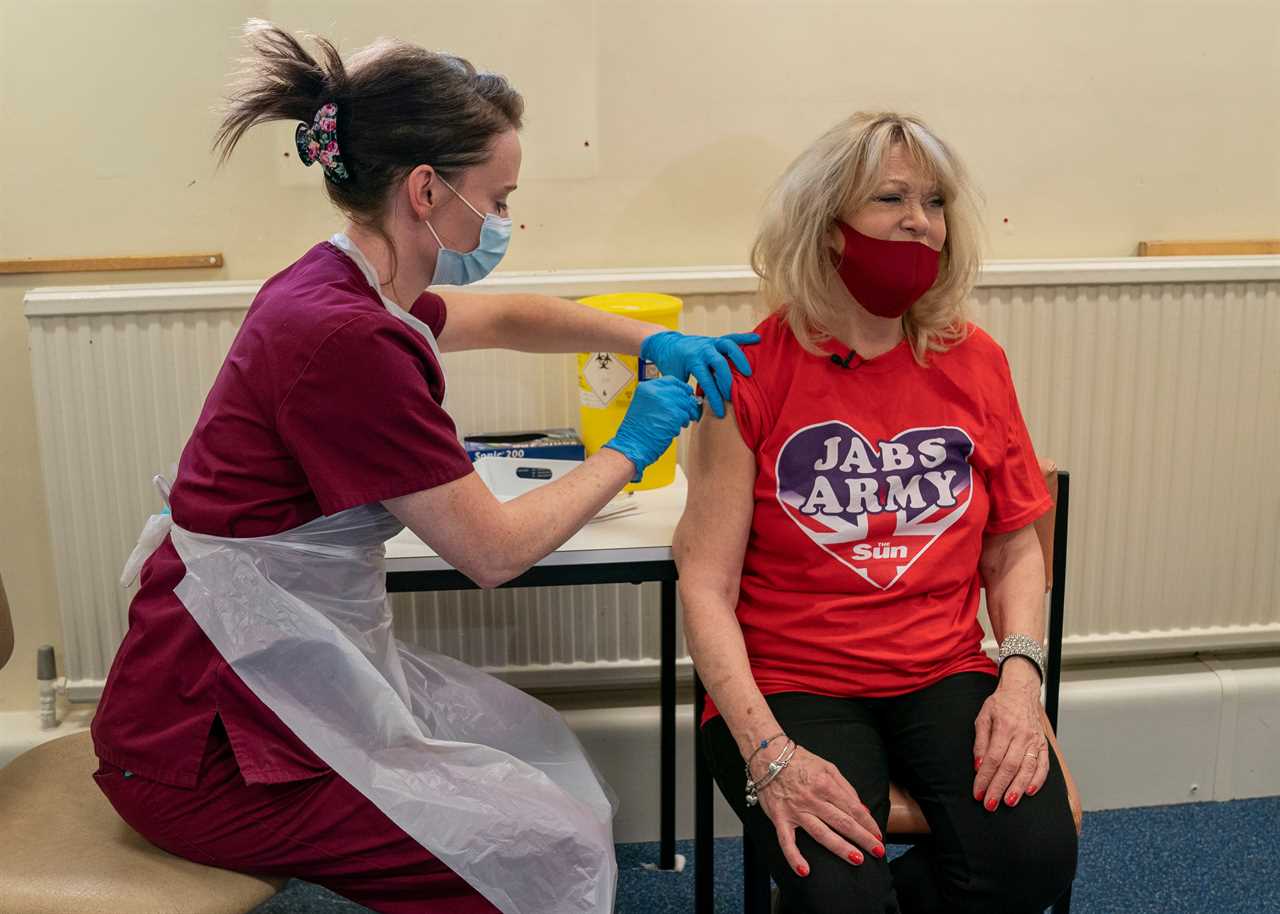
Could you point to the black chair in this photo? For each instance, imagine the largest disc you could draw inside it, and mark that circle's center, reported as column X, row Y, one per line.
column 906, row 823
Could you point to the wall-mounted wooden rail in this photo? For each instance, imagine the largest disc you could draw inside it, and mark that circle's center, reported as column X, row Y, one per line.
column 98, row 264
column 1208, row 248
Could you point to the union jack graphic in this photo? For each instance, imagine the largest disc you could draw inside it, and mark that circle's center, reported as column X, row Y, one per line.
column 875, row 508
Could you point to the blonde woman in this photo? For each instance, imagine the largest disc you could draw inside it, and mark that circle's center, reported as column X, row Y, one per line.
column 873, row 475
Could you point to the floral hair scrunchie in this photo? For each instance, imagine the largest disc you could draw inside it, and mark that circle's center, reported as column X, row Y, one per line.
column 319, row 143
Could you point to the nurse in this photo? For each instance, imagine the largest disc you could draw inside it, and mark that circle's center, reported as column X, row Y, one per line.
column 260, row 715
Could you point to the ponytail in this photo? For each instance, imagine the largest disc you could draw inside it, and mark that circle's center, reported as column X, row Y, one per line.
column 395, row 106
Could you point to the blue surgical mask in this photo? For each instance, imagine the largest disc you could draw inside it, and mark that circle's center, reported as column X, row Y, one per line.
column 457, row 268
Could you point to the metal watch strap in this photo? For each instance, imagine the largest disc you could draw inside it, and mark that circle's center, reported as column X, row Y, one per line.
column 1023, row 646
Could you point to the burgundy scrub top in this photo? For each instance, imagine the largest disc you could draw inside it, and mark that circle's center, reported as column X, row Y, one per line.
column 326, row 401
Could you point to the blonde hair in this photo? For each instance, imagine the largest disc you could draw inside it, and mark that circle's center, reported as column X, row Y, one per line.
column 791, row 254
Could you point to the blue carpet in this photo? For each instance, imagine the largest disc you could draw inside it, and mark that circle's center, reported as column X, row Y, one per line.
column 1201, row 858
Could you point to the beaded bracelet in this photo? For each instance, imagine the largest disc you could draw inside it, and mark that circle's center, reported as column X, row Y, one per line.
column 764, row 744
column 775, row 769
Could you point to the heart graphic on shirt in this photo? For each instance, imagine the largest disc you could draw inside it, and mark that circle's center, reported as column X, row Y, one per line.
column 875, row 508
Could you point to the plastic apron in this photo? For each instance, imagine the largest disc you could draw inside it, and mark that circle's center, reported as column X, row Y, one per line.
column 486, row 778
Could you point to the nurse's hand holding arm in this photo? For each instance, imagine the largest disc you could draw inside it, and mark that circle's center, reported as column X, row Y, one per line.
column 492, row 542
column 543, row 323
column 705, row 357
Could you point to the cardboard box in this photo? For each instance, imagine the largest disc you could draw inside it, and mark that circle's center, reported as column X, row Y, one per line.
column 547, row 444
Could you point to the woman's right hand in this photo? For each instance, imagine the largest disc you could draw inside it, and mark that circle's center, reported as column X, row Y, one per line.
column 659, row 409
column 812, row 794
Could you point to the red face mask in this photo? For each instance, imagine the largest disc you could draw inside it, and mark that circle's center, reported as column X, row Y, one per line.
column 885, row 277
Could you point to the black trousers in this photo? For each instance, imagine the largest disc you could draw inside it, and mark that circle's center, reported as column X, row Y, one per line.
column 1017, row 860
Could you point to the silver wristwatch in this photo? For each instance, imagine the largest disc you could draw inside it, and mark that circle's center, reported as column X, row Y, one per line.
column 1023, row 646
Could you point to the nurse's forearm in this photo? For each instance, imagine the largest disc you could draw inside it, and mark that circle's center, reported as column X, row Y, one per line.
column 538, row 522
column 542, row 323
column 491, row 542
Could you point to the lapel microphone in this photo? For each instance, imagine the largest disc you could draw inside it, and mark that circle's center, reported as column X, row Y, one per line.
column 843, row 363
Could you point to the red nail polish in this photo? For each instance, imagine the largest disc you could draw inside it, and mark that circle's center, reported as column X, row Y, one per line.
column 1012, row 798
column 855, row 857
column 991, row 804
column 878, row 852
column 977, row 794
column 1031, row 791
column 977, row 763
column 802, row 870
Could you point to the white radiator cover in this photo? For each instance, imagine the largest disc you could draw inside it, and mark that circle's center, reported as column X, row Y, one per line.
column 1155, row 382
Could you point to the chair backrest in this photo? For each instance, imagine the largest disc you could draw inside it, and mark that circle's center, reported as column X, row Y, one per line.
column 1045, row 525
column 1051, row 530
column 6, row 628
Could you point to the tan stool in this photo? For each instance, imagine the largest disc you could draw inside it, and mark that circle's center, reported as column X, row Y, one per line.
column 63, row 849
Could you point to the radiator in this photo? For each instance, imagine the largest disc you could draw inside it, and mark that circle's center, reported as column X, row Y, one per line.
column 1155, row 382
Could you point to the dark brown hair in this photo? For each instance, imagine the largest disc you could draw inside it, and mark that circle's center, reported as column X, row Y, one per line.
column 399, row 106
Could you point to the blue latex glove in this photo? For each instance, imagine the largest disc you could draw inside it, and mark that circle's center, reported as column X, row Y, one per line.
column 679, row 355
column 659, row 409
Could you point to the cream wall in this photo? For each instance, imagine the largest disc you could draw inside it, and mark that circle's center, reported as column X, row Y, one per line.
column 653, row 131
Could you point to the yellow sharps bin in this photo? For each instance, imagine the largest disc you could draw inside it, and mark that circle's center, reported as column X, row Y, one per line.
column 607, row 380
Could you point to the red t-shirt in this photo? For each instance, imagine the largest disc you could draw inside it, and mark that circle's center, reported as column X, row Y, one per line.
column 326, row 401
column 874, row 488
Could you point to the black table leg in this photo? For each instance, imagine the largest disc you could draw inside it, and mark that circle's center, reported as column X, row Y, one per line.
column 704, row 831
column 667, row 835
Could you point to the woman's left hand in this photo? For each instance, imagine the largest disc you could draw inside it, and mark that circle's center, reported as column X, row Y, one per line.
column 1010, row 753
column 704, row 357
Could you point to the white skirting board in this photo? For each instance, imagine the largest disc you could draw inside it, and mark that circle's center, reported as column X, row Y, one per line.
column 20, row 730
column 1146, row 734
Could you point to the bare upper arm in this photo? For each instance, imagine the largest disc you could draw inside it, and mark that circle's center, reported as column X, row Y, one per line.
column 1001, row 551
column 711, row 538
column 472, row 320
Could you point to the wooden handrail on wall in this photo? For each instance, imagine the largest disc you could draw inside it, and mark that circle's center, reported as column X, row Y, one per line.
column 1208, row 248
column 97, row 264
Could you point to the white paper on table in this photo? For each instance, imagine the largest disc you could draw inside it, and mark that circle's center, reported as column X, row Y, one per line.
column 620, row 504
column 499, row 474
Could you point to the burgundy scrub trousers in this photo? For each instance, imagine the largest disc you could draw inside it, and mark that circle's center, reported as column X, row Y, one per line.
column 319, row 829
